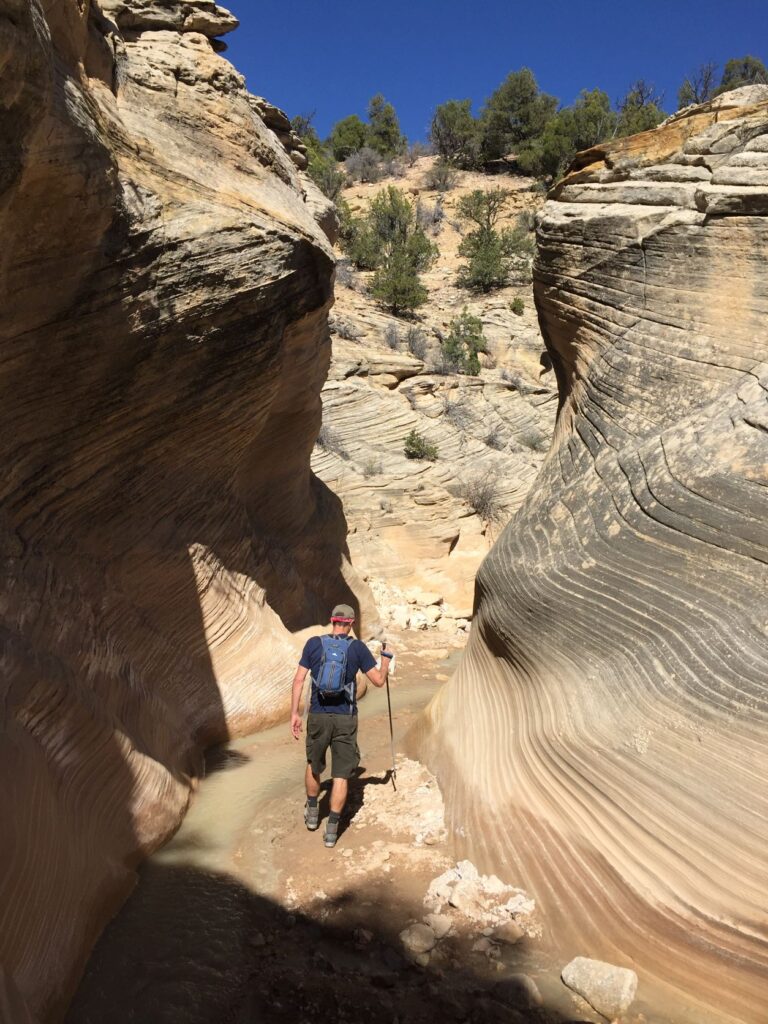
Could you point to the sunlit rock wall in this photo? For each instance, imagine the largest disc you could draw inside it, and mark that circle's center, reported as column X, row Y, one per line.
column 164, row 288
column 604, row 741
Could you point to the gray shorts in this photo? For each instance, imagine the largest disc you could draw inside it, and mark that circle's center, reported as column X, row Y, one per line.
column 339, row 732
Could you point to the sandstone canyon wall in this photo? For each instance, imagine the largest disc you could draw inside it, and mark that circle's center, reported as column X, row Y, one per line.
column 604, row 740
column 164, row 341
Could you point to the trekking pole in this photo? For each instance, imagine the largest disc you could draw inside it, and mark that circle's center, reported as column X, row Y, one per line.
column 391, row 730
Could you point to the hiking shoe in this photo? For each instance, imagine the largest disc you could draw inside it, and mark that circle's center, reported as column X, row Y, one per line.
column 311, row 817
column 331, row 833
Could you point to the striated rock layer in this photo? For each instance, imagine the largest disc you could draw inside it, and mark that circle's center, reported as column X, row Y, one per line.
column 604, row 741
column 164, row 340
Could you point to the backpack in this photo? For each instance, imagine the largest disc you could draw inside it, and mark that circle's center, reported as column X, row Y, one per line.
column 331, row 680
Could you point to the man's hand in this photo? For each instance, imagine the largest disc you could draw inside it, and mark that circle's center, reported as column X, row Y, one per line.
column 296, row 725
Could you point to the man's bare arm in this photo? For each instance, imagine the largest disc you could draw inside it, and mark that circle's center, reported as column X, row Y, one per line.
column 378, row 676
column 298, row 685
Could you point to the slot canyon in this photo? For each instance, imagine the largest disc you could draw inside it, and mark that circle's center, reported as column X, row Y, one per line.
column 203, row 449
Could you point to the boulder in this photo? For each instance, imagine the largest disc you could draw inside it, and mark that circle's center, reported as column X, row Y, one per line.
column 509, row 933
column 418, row 938
column 610, row 989
column 440, row 924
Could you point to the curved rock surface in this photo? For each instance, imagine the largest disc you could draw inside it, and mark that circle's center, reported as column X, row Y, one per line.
column 603, row 743
column 164, row 340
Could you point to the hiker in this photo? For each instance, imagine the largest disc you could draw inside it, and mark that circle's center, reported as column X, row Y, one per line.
column 333, row 660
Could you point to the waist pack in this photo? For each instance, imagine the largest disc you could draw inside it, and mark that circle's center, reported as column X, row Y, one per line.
column 331, row 679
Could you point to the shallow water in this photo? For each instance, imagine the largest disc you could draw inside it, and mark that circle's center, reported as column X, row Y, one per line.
column 249, row 772
column 181, row 949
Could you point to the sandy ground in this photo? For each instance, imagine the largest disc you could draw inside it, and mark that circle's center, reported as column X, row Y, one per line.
column 245, row 916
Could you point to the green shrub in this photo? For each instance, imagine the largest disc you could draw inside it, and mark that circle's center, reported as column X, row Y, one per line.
column 417, row 447
column 322, row 167
column 516, row 112
column 397, row 286
column 384, row 133
column 389, row 241
column 347, row 137
column 517, row 305
column 742, row 71
column 640, row 110
column 454, row 133
column 465, row 339
column 590, row 120
column 490, row 254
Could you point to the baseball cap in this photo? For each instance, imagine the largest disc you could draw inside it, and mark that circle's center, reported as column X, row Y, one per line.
column 343, row 613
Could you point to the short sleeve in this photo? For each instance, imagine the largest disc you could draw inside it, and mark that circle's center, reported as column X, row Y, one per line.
column 305, row 661
column 365, row 659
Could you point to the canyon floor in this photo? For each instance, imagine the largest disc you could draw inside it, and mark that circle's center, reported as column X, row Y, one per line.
column 245, row 915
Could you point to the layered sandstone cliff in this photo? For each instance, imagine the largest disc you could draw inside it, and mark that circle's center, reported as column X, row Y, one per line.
column 419, row 529
column 164, row 340
column 604, row 741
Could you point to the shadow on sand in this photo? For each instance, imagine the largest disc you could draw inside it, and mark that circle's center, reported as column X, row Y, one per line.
column 194, row 947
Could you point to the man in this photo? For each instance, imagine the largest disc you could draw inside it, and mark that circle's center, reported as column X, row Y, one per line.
column 332, row 718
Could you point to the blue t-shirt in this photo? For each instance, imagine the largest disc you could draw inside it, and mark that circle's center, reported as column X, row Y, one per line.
column 359, row 658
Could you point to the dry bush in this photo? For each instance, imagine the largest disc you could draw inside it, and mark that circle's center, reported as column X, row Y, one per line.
column 344, row 328
column 330, row 441
column 441, row 177
column 456, row 413
column 416, row 342
column 533, row 439
column 483, row 495
column 493, row 439
column 345, row 274
column 392, row 336
column 365, row 165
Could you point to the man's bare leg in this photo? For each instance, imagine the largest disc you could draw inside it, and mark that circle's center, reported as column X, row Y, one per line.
column 312, row 811
column 339, row 795
column 312, row 782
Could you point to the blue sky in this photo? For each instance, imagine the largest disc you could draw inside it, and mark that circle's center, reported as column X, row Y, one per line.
column 331, row 56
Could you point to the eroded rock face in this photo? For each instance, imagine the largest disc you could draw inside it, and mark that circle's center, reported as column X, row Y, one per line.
column 604, row 741
column 163, row 331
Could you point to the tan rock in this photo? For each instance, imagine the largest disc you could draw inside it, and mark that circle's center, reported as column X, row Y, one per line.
column 617, row 664
column 610, row 989
column 418, row 938
column 161, row 381
column 510, row 933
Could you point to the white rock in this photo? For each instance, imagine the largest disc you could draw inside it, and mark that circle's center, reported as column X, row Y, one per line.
column 433, row 614
column 610, row 989
column 400, row 616
column 467, row 869
column 418, row 938
column 440, row 924
column 510, row 933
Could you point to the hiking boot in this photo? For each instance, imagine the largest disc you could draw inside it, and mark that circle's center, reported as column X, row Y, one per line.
column 311, row 817
column 331, row 833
